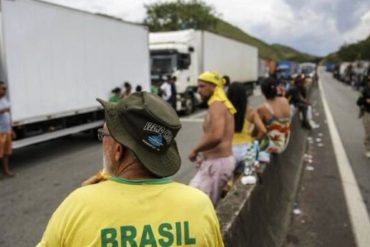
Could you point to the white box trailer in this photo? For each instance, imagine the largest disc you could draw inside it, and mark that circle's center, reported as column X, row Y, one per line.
column 185, row 54
column 57, row 61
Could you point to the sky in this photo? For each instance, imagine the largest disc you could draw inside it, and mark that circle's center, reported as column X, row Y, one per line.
column 317, row 27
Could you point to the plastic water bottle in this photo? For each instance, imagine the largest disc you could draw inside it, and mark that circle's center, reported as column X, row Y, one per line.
column 256, row 148
column 249, row 160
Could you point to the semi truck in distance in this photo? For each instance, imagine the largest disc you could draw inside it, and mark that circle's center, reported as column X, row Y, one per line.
column 56, row 61
column 286, row 69
column 185, row 54
column 308, row 69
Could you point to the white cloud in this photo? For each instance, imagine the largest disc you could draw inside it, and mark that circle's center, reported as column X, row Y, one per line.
column 275, row 21
column 315, row 26
column 248, row 13
column 361, row 31
column 125, row 9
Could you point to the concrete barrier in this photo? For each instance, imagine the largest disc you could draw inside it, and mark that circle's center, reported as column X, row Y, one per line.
column 259, row 215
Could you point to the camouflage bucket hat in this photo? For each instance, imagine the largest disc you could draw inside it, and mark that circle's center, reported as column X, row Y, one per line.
column 146, row 125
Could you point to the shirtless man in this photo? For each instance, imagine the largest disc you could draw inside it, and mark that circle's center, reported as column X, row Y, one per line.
column 217, row 163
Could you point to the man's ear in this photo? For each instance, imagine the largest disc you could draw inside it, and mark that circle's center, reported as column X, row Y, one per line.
column 119, row 150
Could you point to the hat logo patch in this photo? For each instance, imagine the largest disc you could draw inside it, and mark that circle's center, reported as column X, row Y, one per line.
column 156, row 140
column 154, row 128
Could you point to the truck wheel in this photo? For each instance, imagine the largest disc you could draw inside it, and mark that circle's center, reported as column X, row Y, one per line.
column 189, row 104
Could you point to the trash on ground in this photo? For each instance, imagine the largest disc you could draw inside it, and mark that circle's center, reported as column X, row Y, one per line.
column 310, row 168
column 264, row 157
column 313, row 124
column 307, row 156
column 297, row 211
column 248, row 180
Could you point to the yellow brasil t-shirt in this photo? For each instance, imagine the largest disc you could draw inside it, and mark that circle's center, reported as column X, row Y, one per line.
column 120, row 212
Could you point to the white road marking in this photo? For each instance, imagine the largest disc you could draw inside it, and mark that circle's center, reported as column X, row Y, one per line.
column 355, row 203
column 191, row 120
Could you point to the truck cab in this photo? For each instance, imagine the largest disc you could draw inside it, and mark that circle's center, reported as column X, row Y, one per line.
column 286, row 69
column 187, row 53
column 308, row 69
column 170, row 59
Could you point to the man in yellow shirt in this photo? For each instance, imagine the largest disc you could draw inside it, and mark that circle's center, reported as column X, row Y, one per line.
column 134, row 203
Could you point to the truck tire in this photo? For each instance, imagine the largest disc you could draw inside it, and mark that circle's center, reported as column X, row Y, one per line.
column 189, row 104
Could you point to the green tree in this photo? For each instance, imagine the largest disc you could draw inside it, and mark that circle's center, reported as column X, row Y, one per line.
column 356, row 51
column 171, row 16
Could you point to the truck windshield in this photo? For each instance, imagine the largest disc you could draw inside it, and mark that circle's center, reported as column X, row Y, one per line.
column 283, row 72
column 163, row 63
column 307, row 70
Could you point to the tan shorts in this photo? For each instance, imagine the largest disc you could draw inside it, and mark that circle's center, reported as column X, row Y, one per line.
column 5, row 143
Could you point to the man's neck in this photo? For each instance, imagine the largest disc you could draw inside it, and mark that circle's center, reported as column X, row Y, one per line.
column 132, row 169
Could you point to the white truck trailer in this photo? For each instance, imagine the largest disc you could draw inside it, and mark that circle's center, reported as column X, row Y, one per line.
column 56, row 61
column 185, row 54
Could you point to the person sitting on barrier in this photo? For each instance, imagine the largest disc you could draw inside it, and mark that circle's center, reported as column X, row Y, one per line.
column 133, row 203
column 275, row 114
column 248, row 124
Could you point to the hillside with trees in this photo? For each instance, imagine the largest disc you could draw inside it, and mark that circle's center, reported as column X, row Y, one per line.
column 351, row 52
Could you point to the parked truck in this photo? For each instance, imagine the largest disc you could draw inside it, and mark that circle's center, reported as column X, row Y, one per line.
column 286, row 69
column 345, row 72
column 56, row 61
column 185, row 54
column 308, row 69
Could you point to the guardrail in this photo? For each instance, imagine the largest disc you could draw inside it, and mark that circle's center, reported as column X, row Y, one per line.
column 259, row 215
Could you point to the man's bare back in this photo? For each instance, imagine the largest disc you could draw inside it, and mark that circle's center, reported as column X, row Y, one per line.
column 218, row 129
column 279, row 105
